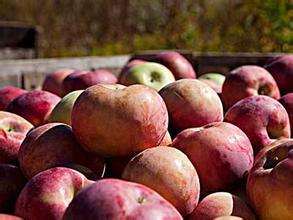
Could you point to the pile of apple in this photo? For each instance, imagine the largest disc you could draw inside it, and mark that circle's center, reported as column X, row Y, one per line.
column 154, row 143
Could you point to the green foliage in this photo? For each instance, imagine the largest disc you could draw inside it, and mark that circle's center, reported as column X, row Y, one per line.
column 98, row 27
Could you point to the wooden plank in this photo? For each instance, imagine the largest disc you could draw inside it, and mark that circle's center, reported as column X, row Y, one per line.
column 11, row 80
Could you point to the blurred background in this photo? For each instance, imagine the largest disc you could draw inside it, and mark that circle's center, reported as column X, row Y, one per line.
column 106, row 27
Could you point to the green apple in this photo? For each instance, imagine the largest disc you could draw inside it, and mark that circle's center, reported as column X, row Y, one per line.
column 62, row 111
column 217, row 78
column 151, row 74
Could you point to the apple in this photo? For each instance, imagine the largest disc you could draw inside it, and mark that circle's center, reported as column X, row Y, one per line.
column 62, row 110
column 116, row 165
column 11, row 183
column 176, row 63
column 228, row 218
column 35, row 106
column 9, row 217
column 191, row 103
column 248, row 81
column 118, row 199
column 220, row 152
column 221, row 204
column 217, row 78
column 13, row 129
column 51, row 145
column 47, row 195
column 150, row 74
column 7, row 94
column 262, row 118
column 212, row 84
column 169, row 172
column 270, row 181
column 121, row 122
column 80, row 80
column 53, row 81
column 128, row 65
column 287, row 102
column 281, row 69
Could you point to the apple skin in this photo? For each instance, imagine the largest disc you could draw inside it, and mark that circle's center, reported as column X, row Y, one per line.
column 80, row 80
column 281, row 69
column 51, row 145
column 220, row 152
column 248, row 81
column 13, row 130
column 287, row 102
column 221, row 204
column 150, row 74
column 9, row 217
column 262, row 118
column 11, row 183
column 7, row 94
column 212, row 84
column 53, row 81
column 123, row 122
column 169, row 172
column 269, row 184
column 191, row 103
column 47, row 195
column 62, row 110
column 125, row 69
column 35, row 106
column 116, row 165
column 217, row 78
column 118, row 199
column 176, row 63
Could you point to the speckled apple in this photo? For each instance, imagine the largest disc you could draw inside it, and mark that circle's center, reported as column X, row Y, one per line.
column 220, row 152
column 270, row 181
column 80, row 80
column 221, row 204
column 13, row 130
column 7, row 94
column 122, row 122
column 176, row 63
column 191, row 103
column 262, row 118
column 53, row 81
column 169, row 172
column 35, row 106
column 51, row 145
column 47, row 195
column 248, row 81
column 281, row 69
column 287, row 102
column 118, row 199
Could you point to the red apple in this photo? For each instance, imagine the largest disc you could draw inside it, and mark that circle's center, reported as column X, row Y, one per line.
column 80, row 80
column 118, row 199
column 53, row 81
column 7, row 94
column 221, row 204
column 262, row 118
column 281, row 69
column 53, row 145
column 176, row 63
column 270, row 181
column 47, row 195
column 169, row 172
column 125, row 69
column 191, row 103
column 220, row 152
column 35, row 106
column 120, row 122
column 11, row 183
column 212, row 84
column 13, row 129
column 287, row 102
column 9, row 217
column 248, row 81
